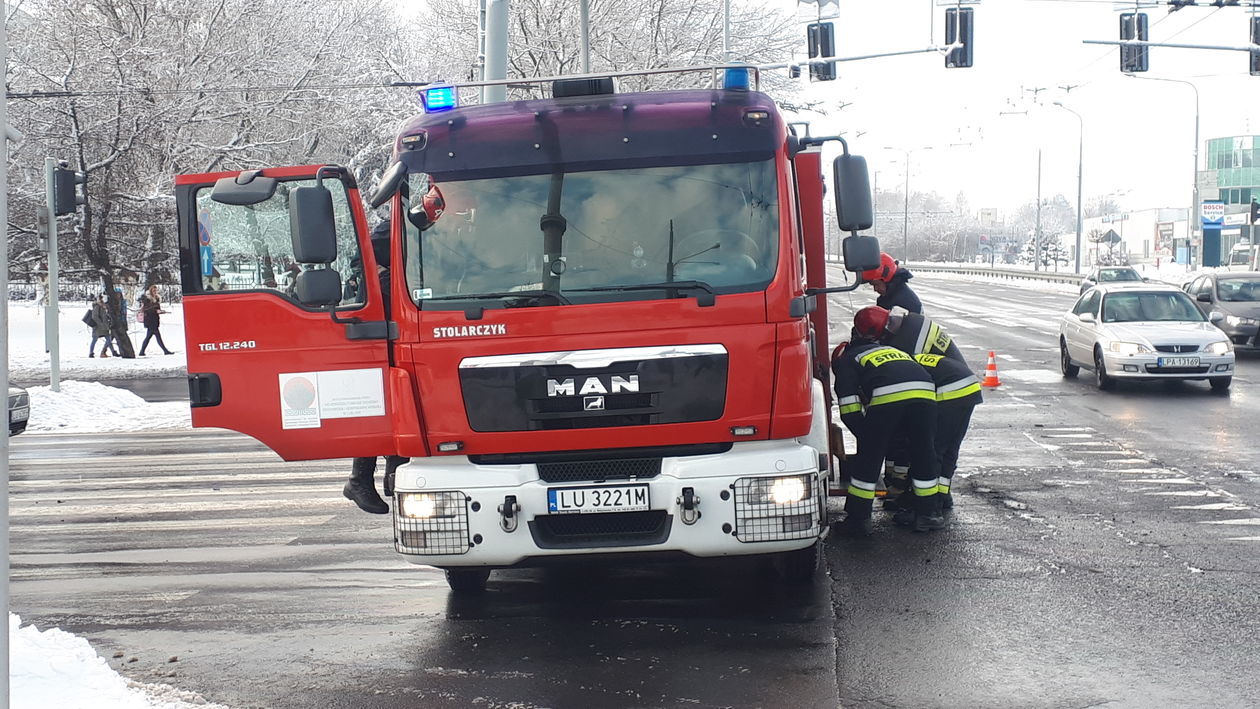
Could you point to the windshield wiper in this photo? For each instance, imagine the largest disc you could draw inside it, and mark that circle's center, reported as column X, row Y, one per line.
column 702, row 300
column 532, row 294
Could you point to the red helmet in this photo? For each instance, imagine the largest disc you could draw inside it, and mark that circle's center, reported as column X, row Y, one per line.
column 839, row 350
column 871, row 321
column 426, row 213
column 887, row 267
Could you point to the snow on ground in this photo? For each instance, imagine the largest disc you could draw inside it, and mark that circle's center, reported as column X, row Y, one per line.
column 87, row 407
column 53, row 668
column 29, row 362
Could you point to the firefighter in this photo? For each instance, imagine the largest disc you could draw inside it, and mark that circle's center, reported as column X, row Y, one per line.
column 882, row 390
column 889, row 281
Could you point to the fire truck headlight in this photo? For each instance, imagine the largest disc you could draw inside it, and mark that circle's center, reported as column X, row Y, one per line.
column 785, row 491
column 430, row 505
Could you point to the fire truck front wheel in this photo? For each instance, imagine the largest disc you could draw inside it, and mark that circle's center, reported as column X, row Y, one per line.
column 467, row 580
column 800, row 566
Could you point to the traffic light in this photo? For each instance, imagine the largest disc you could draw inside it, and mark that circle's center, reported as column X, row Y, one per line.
column 1255, row 39
column 822, row 45
column 1133, row 25
column 66, row 197
column 1255, row 212
column 960, row 27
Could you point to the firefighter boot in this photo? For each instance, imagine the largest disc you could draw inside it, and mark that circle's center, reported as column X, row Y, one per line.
column 929, row 517
column 857, row 521
column 361, row 488
column 896, row 480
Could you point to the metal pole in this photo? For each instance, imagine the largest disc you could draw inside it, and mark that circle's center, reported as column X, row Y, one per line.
column 1080, row 162
column 1037, row 229
column 726, row 30
column 4, row 370
column 905, row 215
column 584, row 10
column 52, row 309
column 496, row 49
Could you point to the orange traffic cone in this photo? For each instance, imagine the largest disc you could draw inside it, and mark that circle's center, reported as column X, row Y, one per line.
column 990, row 372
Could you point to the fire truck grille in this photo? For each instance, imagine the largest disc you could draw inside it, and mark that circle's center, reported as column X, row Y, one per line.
column 599, row 470
column 758, row 519
column 613, row 529
column 433, row 535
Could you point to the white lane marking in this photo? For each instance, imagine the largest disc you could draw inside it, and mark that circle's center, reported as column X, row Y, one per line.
column 1009, row 406
column 1220, row 506
column 61, row 498
column 1241, row 520
column 1243, row 539
column 1066, row 483
column 236, row 524
column 1165, row 481
column 1070, row 428
column 1140, row 471
column 1031, row 376
column 1186, row 493
column 1045, row 446
column 206, row 479
column 964, row 324
column 1069, row 435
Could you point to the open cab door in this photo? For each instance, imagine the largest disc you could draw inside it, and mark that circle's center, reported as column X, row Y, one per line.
column 285, row 323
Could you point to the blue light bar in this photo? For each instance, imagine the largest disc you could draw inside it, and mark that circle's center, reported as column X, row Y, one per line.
column 737, row 78
column 439, row 98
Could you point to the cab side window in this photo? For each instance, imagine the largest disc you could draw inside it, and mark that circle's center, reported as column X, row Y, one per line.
column 1203, row 287
column 1087, row 304
column 249, row 248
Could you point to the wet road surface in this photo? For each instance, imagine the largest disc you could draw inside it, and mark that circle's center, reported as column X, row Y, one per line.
column 1104, row 551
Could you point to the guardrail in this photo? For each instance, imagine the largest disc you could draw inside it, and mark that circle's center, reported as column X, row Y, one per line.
column 1005, row 273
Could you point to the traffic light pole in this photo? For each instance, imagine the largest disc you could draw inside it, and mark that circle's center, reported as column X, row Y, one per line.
column 52, row 308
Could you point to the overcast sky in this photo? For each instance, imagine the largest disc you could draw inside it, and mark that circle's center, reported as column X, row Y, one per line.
column 1139, row 134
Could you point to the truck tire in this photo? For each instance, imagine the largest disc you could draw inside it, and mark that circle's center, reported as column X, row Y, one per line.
column 800, row 566
column 467, row 580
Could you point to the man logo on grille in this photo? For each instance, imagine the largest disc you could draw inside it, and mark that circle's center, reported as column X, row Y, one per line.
column 593, row 403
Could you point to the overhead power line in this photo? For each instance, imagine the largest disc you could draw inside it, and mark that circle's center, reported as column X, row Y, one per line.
column 204, row 90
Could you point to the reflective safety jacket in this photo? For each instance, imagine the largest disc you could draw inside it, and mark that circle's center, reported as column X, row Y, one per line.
column 919, row 335
column 955, row 382
column 870, row 375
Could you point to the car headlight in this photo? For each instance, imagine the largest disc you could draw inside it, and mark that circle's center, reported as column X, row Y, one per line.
column 1235, row 321
column 778, row 491
column 430, row 505
column 1128, row 348
column 1219, row 348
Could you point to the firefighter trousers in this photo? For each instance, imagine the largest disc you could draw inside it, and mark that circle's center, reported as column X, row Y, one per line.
column 952, row 421
column 917, row 419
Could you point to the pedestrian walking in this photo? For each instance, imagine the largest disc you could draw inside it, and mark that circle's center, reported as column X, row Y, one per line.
column 151, row 312
column 882, row 390
column 102, row 323
column 889, row 280
column 361, row 487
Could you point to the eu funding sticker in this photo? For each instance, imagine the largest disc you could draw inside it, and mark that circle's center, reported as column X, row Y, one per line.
column 351, row 393
column 299, row 400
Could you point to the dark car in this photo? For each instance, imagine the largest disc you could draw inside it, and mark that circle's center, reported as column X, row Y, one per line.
column 1110, row 274
column 1236, row 295
column 19, row 410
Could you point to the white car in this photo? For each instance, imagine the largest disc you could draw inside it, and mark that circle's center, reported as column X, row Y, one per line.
column 1143, row 331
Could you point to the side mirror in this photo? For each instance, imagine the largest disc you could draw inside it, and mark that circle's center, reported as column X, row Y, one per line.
column 312, row 227
column 388, row 185
column 1215, row 316
column 243, row 190
column 320, row 287
column 853, row 193
column 1204, row 297
column 1088, row 317
column 861, row 253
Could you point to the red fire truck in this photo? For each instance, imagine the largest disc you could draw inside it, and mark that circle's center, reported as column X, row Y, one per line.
column 604, row 333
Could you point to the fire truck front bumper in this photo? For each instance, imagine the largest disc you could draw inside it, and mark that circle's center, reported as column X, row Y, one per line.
column 451, row 512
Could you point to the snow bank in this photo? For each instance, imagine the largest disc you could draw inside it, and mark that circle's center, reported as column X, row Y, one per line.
column 28, row 360
column 87, row 407
column 54, row 668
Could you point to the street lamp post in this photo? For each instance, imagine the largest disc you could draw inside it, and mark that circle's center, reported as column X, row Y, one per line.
column 1194, row 194
column 1080, row 166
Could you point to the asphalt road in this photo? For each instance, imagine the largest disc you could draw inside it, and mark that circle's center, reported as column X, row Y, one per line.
column 1103, row 552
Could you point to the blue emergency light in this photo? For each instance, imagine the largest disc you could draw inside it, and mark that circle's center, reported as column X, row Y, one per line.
column 738, row 78
column 439, row 98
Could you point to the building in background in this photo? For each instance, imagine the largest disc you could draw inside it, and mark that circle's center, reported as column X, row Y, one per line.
column 1231, row 175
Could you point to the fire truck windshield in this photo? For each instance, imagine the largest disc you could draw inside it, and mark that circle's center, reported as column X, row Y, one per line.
column 579, row 233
